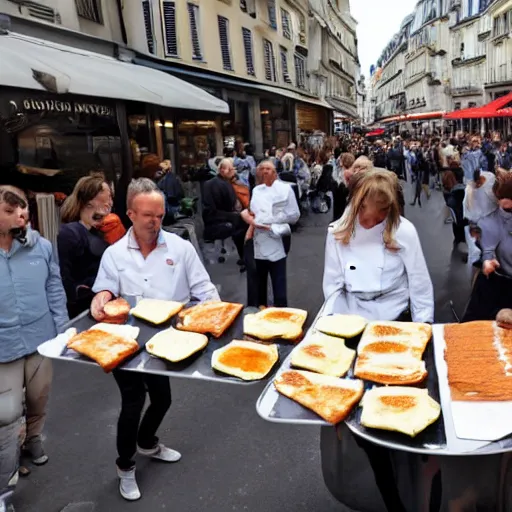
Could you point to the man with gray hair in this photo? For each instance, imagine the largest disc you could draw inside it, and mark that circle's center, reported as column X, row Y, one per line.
column 146, row 263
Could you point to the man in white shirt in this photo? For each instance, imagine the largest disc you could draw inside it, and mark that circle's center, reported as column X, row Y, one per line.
column 273, row 208
column 146, row 263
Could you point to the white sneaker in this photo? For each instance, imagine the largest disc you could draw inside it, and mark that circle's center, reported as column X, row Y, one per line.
column 161, row 452
column 128, row 485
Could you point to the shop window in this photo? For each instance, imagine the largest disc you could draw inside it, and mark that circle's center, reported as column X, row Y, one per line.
column 300, row 71
column 48, row 143
column 269, row 60
column 249, row 55
column 286, row 23
column 193, row 16
column 284, row 65
column 272, row 16
column 169, row 21
column 148, row 25
column 89, row 9
column 224, row 42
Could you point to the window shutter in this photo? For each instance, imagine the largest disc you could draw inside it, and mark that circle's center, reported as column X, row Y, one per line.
column 193, row 16
column 148, row 24
column 272, row 18
column 270, row 64
column 169, row 20
column 286, row 22
column 89, row 9
column 249, row 57
column 300, row 72
column 284, row 66
column 224, row 42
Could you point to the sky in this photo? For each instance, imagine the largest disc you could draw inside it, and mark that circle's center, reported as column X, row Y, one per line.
column 378, row 21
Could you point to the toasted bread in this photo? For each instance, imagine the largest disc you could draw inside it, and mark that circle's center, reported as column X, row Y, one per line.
column 329, row 397
column 209, row 317
column 400, row 409
column 116, row 311
column 108, row 350
column 245, row 359
column 390, row 368
column 343, row 326
column 416, row 335
column 324, row 354
column 125, row 331
column 272, row 323
column 156, row 311
column 175, row 345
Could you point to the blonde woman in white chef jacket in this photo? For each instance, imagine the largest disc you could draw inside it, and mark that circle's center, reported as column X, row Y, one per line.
column 374, row 264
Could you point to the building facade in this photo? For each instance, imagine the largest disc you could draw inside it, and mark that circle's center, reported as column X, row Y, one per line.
column 261, row 56
column 333, row 60
column 456, row 54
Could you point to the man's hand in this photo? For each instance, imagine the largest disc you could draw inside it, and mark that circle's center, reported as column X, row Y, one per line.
column 490, row 266
column 266, row 227
column 98, row 303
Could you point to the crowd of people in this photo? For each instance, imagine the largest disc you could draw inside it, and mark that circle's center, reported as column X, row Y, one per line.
column 374, row 264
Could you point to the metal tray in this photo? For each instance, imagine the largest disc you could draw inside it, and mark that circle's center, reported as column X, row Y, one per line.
column 198, row 366
column 274, row 407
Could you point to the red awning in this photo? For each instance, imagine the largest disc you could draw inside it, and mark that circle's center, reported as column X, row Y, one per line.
column 376, row 133
column 505, row 112
column 492, row 109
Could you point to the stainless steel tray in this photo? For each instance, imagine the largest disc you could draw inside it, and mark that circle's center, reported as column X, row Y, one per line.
column 274, row 407
column 197, row 366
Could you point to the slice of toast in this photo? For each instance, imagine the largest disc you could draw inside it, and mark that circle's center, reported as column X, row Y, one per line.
column 323, row 354
column 329, row 397
column 400, row 409
column 273, row 323
column 245, row 359
column 156, row 311
column 209, row 317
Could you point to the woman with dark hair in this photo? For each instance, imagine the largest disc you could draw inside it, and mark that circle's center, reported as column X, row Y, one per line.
column 81, row 241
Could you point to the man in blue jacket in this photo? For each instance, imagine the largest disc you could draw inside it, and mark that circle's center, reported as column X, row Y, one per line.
column 33, row 310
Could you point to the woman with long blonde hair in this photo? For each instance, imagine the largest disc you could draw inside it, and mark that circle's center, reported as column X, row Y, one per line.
column 374, row 264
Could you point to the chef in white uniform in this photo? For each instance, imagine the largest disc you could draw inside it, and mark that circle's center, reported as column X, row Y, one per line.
column 374, row 264
column 273, row 209
column 146, row 263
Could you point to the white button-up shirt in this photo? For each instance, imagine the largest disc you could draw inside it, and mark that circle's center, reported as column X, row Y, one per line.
column 172, row 271
column 276, row 207
column 365, row 278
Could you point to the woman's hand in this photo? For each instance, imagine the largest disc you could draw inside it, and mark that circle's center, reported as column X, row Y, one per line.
column 247, row 217
column 490, row 266
column 98, row 305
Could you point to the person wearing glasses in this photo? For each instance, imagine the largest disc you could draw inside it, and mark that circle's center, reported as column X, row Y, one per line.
column 82, row 239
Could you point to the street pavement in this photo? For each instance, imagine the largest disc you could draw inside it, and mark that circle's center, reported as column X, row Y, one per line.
column 232, row 459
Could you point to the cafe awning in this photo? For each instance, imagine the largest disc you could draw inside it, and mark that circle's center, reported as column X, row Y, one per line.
column 31, row 63
column 492, row 109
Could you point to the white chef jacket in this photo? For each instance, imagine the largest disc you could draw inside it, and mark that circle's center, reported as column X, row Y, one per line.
column 365, row 278
column 172, row 271
column 277, row 207
column 480, row 202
